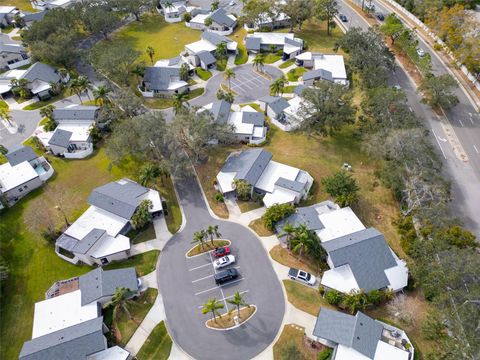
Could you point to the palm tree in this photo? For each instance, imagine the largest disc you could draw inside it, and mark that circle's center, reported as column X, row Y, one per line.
column 120, row 301
column 199, row 236
column 221, row 50
column 84, row 85
column 100, row 95
column 288, row 231
column 208, row 21
column 138, row 71
column 148, row 172
column 228, row 75
column 238, row 301
column 74, row 88
column 179, row 100
column 150, row 52
column 5, row 114
column 302, row 241
column 259, row 61
column 215, row 5
column 20, row 87
column 213, row 231
column 277, row 86
column 184, row 72
column 212, row 306
column 47, row 111
column 355, row 300
column 272, row 48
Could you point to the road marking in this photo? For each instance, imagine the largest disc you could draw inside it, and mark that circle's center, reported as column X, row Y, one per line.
column 218, row 287
column 436, row 138
column 442, row 139
column 228, row 297
column 206, row 277
column 198, row 267
column 460, row 121
column 476, row 149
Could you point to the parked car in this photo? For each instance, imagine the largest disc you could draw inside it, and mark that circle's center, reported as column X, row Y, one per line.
column 380, row 16
column 139, row 283
column 224, row 261
column 370, row 7
column 225, row 276
column 343, row 18
column 420, row 52
column 221, row 251
column 231, row 3
column 302, row 276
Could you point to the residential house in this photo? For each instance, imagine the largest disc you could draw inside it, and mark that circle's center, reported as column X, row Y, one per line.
column 12, row 55
column 328, row 67
column 7, row 15
column 259, row 42
column 173, row 11
column 279, row 20
column 248, row 124
column 277, row 183
column 72, row 138
column 208, row 43
column 40, row 78
column 222, row 23
column 24, row 172
column 98, row 235
column 70, row 320
column 52, row 4
column 360, row 337
column 29, row 18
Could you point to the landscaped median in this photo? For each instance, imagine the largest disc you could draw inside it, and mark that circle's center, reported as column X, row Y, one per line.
column 206, row 247
column 232, row 319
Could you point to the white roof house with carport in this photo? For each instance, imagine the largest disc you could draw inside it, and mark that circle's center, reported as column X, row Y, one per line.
column 329, row 67
column 263, row 41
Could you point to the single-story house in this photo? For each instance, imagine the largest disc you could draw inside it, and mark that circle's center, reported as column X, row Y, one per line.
column 274, row 107
column 248, row 124
column 266, row 21
column 329, row 67
column 279, row 183
column 173, row 10
column 7, row 15
column 24, row 172
column 163, row 81
column 176, row 62
column 222, row 23
column 29, row 18
column 263, row 41
column 360, row 337
column 208, row 43
column 98, row 235
column 12, row 55
column 52, row 4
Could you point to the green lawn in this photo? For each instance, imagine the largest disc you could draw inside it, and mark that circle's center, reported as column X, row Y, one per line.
column 21, row 4
column 157, row 346
column 289, row 89
column 246, row 206
column 239, row 36
column 305, row 298
column 294, row 74
column 203, row 74
column 144, row 263
column 33, row 264
column 168, row 40
column 271, row 58
column 147, row 234
column 165, row 103
column 222, row 64
column 3, row 104
column 40, row 104
column 287, row 63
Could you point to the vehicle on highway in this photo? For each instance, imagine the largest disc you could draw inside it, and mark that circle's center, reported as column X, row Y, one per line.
column 302, row 276
column 343, row 18
column 224, row 261
column 221, row 251
column 380, row 16
column 225, row 276
column 420, row 52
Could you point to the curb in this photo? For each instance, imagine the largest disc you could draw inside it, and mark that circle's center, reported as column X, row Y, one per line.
column 235, row 326
column 205, row 252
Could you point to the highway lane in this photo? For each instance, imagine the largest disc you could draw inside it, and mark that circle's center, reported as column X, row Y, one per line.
column 464, row 177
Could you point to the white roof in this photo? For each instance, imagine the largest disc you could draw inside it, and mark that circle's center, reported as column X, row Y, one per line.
column 13, row 176
column 6, row 9
column 340, row 278
column 279, row 196
column 235, row 119
column 398, row 275
column 61, row 312
column 37, row 86
column 390, row 352
column 259, row 131
column 13, row 74
column 292, row 110
column 332, row 63
column 113, row 353
column 199, row 19
column 338, row 223
column 272, row 37
column 289, row 48
column 154, row 197
column 44, row 137
column 348, row 353
column 225, row 181
column 96, row 218
column 5, row 86
column 110, row 245
column 200, row 45
column 173, row 85
column 273, row 172
column 304, row 56
column 80, row 131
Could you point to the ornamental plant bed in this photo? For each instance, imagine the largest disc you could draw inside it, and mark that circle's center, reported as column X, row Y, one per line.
column 226, row 321
column 208, row 246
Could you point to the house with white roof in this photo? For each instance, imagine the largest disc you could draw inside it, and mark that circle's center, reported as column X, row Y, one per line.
column 12, row 55
column 290, row 45
column 274, row 21
column 98, row 235
column 70, row 320
column 276, row 182
column 328, row 67
column 248, row 125
column 24, row 172
column 202, row 52
column 282, row 112
column 173, row 10
column 222, row 23
column 360, row 337
column 7, row 15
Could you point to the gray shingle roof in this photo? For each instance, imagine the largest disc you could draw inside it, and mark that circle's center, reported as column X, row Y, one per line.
column 159, row 77
column 41, row 71
column 368, row 255
column 72, row 343
column 307, row 216
column 78, row 112
column 99, row 283
column 289, row 184
column 37, row 16
column 256, row 118
column 295, row 42
column 174, row 61
column 249, row 164
column 215, row 38
column 25, row 153
column 206, row 57
column 60, row 138
column 221, row 111
column 118, row 197
column 11, row 48
column 318, row 74
column 66, row 242
column 88, row 241
column 359, row 332
column 220, row 17
column 253, row 43
column 276, row 103
column 299, row 89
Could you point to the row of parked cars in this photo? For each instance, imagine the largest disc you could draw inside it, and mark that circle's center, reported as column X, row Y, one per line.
column 224, row 258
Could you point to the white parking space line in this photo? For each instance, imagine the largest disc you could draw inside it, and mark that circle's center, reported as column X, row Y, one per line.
column 438, row 142
column 476, row 149
column 203, row 278
column 199, row 267
column 228, row 297
column 218, row 287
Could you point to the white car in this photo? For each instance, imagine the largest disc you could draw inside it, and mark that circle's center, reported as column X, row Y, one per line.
column 302, row 276
column 420, row 52
column 224, row 261
column 231, row 3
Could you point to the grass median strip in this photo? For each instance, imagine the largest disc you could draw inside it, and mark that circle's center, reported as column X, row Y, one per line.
column 201, row 249
column 226, row 321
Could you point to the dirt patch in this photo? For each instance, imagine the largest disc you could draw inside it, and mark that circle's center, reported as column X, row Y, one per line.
column 226, row 321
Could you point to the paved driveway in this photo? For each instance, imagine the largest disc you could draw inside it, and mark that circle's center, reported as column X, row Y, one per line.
column 186, row 284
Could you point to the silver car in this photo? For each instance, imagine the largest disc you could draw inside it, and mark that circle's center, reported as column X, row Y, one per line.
column 224, row 261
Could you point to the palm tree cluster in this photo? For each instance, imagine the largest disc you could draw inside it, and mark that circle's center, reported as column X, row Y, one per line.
column 304, row 242
column 20, row 88
column 47, row 112
column 259, row 62
column 278, row 86
column 149, row 172
column 357, row 300
column 213, row 305
column 203, row 235
column 79, row 86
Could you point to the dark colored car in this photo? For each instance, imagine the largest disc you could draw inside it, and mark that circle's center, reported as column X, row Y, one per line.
column 380, row 17
column 221, row 251
column 343, row 18
column 225, row 276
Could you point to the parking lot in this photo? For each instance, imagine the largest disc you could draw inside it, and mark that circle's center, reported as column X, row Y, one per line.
column 246, row 82
column 201, row 273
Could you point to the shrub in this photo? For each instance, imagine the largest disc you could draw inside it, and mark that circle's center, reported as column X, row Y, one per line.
column 408, row 235
column 343, row 187
column 219, row 197
column 334, row 297
column 243, row 189
column 187, row 17
column 375, row 297
column 276, row 213
column 324, row 354
column 321, row 290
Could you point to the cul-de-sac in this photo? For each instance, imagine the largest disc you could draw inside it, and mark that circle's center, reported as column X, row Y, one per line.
column 239, row 179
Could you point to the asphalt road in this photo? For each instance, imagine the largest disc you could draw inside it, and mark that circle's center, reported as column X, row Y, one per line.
column 187, row 283
column 464, row 176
